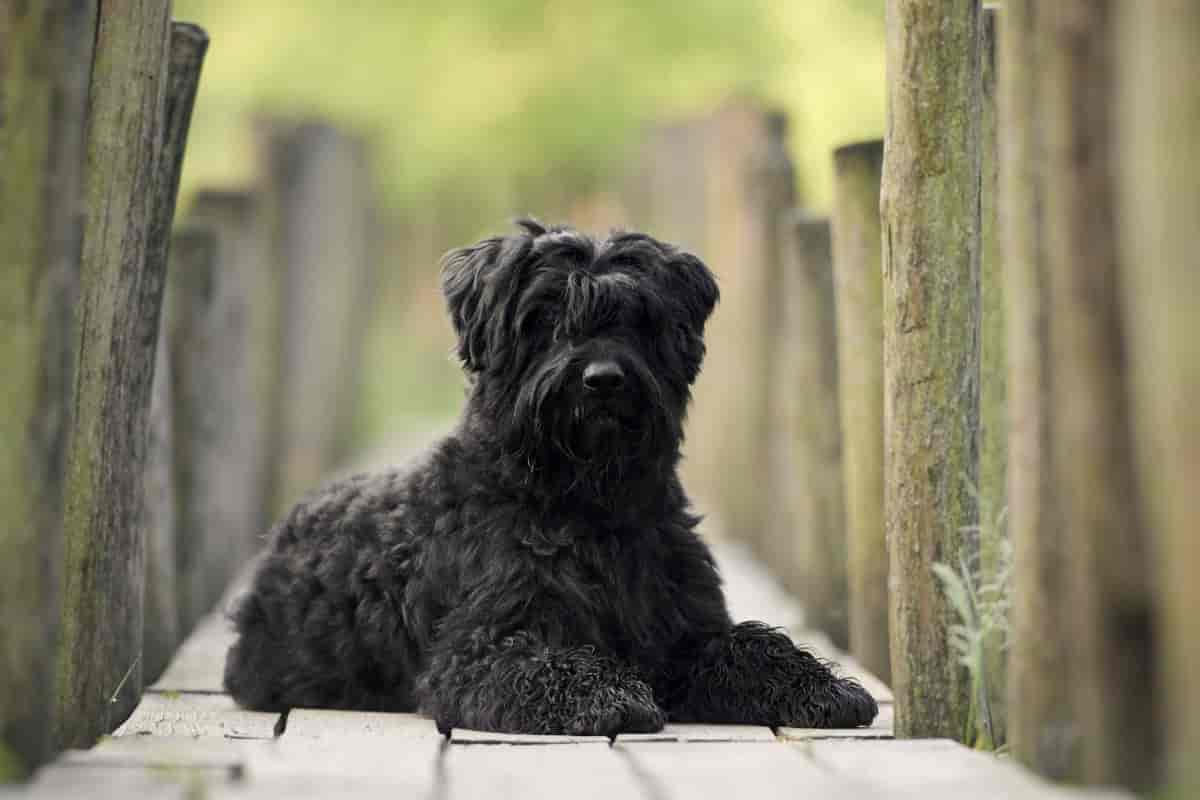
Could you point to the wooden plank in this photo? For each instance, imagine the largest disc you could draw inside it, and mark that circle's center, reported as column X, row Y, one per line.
column 512, row 771
column 933, row 767
column 340, row 726
column 196, row 715
column 466, row 736
column 170, row 752
column 881, row 728
column 699, row 732
column 119, row 783
column 200, row 663
column 688, row 771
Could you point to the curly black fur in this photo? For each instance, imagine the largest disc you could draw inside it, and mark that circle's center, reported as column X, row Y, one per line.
column 537, row 570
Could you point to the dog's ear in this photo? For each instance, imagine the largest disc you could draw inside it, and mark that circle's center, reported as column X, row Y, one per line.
column 476, row 282
column 463, row 274
column 694, row 284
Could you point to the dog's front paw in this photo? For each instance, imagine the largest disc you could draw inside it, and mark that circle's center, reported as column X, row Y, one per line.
column 617, row 709
column 843, row 703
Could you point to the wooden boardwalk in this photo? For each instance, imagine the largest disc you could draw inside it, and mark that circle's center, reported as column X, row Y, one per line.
column 188, row 740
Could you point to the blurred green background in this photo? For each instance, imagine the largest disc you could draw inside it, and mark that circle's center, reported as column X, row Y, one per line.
column 480, row 110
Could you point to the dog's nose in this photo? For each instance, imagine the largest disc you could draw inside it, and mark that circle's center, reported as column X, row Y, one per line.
column 603, row 376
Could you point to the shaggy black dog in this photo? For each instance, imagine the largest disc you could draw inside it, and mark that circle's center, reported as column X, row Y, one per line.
column 537, row 570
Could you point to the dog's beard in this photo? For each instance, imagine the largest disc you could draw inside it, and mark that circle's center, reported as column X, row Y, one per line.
column 554, row 420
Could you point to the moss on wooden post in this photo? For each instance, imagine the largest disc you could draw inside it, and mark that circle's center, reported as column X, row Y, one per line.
column 1160, row 277
column 45, row 56
column 1110, row 622
column 931, row 213
column 858, row 295
column 812, row 476
column 99, row 663
column 1041, row 721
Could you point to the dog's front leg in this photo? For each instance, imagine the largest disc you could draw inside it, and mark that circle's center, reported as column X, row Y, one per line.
column 517, row 684
column 754, row 674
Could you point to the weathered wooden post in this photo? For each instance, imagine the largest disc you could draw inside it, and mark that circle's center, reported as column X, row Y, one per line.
column 812, row 475
column 775, row 178
column 858, row 295
column 1160, row 278
column 322, row 188
column 47, row 53
column 99, row 662
column 1042, row 732
column 200, row 411
column 161, row 617
column 221, row 352
column 1110, row 622
column 994, row 547
column 930, row 209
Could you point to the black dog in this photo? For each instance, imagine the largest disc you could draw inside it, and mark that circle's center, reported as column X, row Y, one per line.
column 537, row 571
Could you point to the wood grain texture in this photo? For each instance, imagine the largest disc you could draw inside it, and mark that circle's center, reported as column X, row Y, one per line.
column 810, row 471
column 1159, row 203
column 99, row 663
column 45, row 55
column 1108, row 574
column 197, row 715
column 930, row 208
column 858, row 296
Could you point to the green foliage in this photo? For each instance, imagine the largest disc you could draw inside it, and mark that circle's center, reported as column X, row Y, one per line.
column 981, row 602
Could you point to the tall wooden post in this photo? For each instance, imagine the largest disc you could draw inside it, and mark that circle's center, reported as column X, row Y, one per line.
column 931, row 213
column 858, row 294
column 221, row 353
column 994, row 547
column 45, row 56
column 1042, row 732
column 812, row 476
column 322, row 187
column 775, row 178
column 99, row 665
column 1160, row 277
column 1110, row 623
column 161, row 617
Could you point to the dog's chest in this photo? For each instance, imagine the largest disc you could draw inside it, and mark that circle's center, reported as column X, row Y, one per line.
column 615, row 588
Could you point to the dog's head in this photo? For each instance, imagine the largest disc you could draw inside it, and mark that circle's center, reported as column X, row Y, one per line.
column 580, row 348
